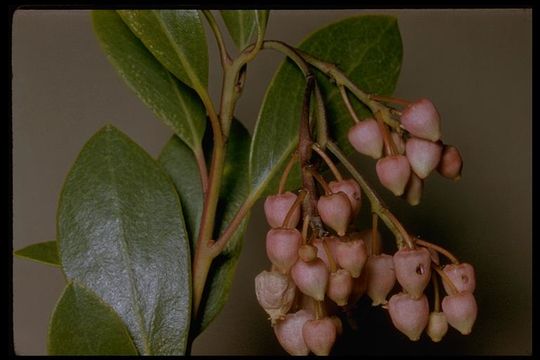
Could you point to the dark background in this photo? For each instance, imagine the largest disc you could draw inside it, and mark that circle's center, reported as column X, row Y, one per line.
column 474, row 64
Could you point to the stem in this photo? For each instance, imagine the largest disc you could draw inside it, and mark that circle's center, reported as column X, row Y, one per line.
column 305, row 225
column 322, row 131
column 331, row 261
column 341, row 79
column 321, row 181
column 389, row 144
column 328, row 162
column 446, row 280
column 436, row 295
column 225, row 58
column 377, row 206
column 203, row 171
column 288, row 218
column 389, row 99
column 345, row 97
column 290, row 51
column 375, row 241
column 439, row 249
column 285, row 175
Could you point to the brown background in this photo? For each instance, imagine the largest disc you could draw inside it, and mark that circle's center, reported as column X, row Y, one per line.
column 474, row 64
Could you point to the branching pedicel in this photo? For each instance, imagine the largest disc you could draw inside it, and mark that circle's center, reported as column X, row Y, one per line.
column 322, row 266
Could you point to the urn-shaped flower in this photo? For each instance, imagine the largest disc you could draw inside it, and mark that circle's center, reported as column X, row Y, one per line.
column 380, row 278
column 320, row 335
column 410, row 316
column 335, row 211
column 275, row 293
column 276, row 208
column 311, row 277
column 289, row 332
column 282, row 247
column 413, row 270
column 393, row 173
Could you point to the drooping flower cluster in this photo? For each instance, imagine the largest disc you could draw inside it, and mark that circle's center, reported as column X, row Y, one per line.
column 405, row 160
column 322, row 267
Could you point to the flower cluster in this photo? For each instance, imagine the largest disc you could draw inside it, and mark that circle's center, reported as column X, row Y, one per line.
column 322, row 266
column 409, row 157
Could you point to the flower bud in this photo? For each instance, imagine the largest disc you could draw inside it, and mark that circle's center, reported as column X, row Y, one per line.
column 451, row 163
column 423, row 155
column 282, row 247
column 335, row 211
column 413, row 191
column 351, row 255
column 340, row 286
column 276, row 208
column 398, row 141
column 413, row 270
column 331, row 241
column 289, row 332
column 421, row 119
column 320, row 335
column 393, row 172
column 307, row 252
column 366, row 138
column 462, row 276
column 380, row 278
column 311, row 278
column 460, row 310
column 275, row 293
column 410, row 316
column 351, row 189
column 437, row 326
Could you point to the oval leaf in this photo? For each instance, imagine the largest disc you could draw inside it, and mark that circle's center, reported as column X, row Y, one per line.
column 122, row 235
column 244, row 24
column 45, row 253
column 180, row 164
column 367, row 48
column 174, row 103
column 177, row 40
column 82, row 324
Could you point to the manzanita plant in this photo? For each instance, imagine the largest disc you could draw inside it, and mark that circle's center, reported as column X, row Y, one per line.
column 149, row 246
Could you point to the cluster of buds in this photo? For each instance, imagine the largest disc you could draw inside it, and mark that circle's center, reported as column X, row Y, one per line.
column 406, row 158
column 322, row 265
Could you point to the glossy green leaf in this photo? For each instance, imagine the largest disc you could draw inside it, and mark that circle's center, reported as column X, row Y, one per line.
column 243, row 25
column 121, row 234
column 367, row 48
column 177, row 40
column 180, row 164
column 82, row 324
column 45, row 253
column 174, row 103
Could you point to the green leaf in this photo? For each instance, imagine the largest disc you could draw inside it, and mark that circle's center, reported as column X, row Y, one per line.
column 180, row 164
column 45, row 253
column 174, row 103
column 177, row 40
column 82, row 324
column 244, row 24
column 367, row 48
column 121, row 234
